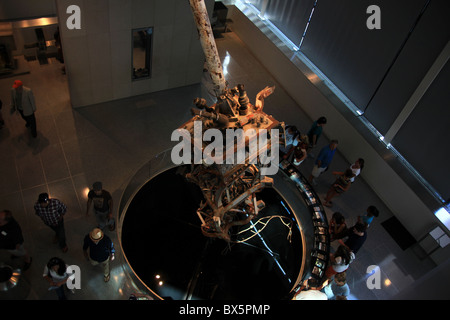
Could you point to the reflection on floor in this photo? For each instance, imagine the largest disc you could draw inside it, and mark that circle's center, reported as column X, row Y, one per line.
column 110, row 141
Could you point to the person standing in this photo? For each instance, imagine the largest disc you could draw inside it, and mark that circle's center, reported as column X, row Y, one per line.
column 356, row 237
column 339, row 261
column 103, row 205
column 22, row 100
column 55, row 272
column 291, row 134
column 338, row 289
column 52, row 212
column 316, row 131
column 341, row 185
column 298, row 149
column 337, row 226
column 357, row 168
column 101, row 250
column 371, row 213
column 323, row 160
column 11, row 238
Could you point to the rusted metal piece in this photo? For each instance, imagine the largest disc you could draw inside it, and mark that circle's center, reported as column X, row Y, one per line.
column 226, row 187
column 229, row 190
column 225, row 195
column 208, row 43
column 264, row 93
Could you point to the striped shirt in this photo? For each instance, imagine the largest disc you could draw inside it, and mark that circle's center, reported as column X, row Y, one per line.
column 52, row 213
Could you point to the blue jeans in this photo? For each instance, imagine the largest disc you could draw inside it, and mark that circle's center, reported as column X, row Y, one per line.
column 60, row 292
column 102, row 219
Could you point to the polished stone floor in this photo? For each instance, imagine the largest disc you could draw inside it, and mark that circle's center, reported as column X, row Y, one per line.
column 111, row 141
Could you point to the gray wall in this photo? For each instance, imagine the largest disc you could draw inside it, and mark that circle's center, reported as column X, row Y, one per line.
column 432, row 286
column 26, row 9
column 382, row 178
column 98, row 56
column 369, row 66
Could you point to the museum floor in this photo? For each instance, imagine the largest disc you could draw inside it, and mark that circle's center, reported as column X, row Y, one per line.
column 111, row 141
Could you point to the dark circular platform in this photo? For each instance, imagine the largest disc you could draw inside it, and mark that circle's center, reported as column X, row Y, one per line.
column 164, row 246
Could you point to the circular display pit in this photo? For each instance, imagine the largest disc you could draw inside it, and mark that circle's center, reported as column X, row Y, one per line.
column 168, row 257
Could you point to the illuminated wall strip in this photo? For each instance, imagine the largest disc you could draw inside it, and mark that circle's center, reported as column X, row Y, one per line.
column 443, row 215
column 242, row 6
column 307, row 25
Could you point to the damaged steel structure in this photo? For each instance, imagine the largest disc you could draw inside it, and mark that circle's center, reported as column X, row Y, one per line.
column 229, row 190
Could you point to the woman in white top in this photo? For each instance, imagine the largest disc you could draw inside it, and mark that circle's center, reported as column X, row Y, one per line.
column 356, row 168
column 291, row 134
column 55, row 272
column 298, row 148
column 339, row 261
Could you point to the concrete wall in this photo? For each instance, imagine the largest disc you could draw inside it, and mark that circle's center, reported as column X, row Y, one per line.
column 27, row 36
column 98, row 56
column 409, row 209
column 26, row 9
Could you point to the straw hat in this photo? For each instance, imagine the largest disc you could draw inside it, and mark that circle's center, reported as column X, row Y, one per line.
column 96, row 234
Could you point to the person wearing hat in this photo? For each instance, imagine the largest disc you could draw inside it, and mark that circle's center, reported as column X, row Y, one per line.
column 52, row 212
column 22, row 101
column 102, row 206
column 101, row 250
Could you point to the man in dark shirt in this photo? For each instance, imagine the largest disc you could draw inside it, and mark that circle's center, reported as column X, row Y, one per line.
column 356, row 237
column 101, row 250
column 22, row 101
column 11, row 238
column 316, row 130
column 102, row 206
column 52, row 212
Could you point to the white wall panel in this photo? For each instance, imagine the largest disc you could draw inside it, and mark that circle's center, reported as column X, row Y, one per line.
column 98, row 57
